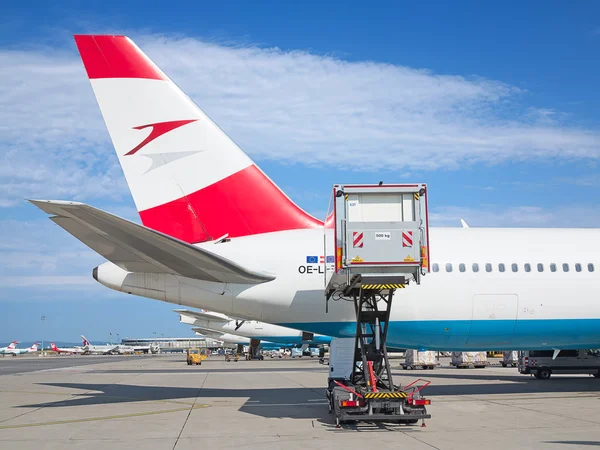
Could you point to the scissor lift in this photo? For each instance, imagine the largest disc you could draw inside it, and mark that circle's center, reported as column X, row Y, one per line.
column 379, row 236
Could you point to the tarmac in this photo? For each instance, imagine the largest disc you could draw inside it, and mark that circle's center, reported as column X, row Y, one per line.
column 158, row 402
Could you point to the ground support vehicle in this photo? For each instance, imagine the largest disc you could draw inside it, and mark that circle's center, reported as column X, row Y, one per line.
column 195, row 356
column 380, row 245
column 543, row 363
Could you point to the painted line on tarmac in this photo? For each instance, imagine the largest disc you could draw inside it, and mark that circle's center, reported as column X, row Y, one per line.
column 95, row 419
column 270, row 405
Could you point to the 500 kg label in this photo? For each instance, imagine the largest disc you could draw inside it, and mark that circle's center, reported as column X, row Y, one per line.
column 383, row 236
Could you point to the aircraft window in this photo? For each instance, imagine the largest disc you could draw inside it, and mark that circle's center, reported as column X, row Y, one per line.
column 578, row 267
column 488, row 267
column 501, row 267
column 448, row 267
column 540, row 267
column 590, row 267
column 436, row 267
column 527, row 267
column 461, row 267
column 514, row 267
column 565, row 267
column 552, row 267
column 476, row 267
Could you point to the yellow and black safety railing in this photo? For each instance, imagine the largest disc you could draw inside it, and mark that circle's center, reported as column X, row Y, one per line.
column 385, row 395
column 383, row 286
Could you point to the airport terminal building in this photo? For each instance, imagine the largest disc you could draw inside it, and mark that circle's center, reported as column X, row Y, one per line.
column 167, row 344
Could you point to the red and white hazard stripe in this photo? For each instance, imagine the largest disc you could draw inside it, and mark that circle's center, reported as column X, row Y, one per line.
column 407, row 239
column 358, row 239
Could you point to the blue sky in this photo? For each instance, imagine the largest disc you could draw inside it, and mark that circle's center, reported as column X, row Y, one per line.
column 494, row 105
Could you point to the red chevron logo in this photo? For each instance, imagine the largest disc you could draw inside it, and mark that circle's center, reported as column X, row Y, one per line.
column 158, row 129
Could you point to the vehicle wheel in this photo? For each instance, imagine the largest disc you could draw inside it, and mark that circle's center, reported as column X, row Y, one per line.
column 544, row 374
column 431, row 367
column 503, row 364
column 404, row 367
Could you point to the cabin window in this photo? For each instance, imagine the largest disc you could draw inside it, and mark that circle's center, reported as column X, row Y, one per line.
column 501, row 267
column 540, row 267
column 514, row 267
column 448, row 267
column 488, row 267
column 565, row 267
column 462, row 267
column 435, row 267
column 590, row 267
column 476, row 267
column 552, row 267
column 578, row 267
column 527, row 267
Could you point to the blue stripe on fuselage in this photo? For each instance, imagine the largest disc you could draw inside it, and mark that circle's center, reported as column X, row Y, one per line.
column 462, row 335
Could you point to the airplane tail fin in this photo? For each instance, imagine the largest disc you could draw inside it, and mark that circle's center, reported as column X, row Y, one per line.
column 13, row 344
column 53, row 346
column 34, row 347
column 187, row 177
column 85, row 341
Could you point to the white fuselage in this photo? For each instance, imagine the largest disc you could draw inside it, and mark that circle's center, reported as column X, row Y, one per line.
column 513, row 309
column 72, row 350
column 99, row 349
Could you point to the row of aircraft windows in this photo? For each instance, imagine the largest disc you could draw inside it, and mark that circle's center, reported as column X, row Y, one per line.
column 513, row 267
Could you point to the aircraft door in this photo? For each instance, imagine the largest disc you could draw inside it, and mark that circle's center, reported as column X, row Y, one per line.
column 494, row 319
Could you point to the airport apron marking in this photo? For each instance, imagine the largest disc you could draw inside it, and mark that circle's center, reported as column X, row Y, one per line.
column 94, row 419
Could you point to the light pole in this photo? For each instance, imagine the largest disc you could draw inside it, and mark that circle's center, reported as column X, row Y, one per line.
column 43, row 318
column 118, row 339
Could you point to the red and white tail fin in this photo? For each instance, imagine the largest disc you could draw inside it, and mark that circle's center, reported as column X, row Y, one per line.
column 187, row 178
column 53, row 346
column 85, row 341
column 33, row 348
column 13, row 344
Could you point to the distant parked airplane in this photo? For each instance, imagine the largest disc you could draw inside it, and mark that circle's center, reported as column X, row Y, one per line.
column 7, row 350
column 22, row 351
column 69, row 350
column 97, row 349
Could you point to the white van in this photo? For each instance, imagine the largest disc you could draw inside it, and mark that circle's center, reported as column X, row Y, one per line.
column 542, row 366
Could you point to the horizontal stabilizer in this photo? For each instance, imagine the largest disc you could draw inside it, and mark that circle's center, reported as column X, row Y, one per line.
column 136, row 248
column 201, row 315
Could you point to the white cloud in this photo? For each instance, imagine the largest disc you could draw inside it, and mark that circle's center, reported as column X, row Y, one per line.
column 517, row 216
column 293, row 106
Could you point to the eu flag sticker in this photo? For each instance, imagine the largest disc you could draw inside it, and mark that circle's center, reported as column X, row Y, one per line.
column 330, row 259
column 312, row 260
